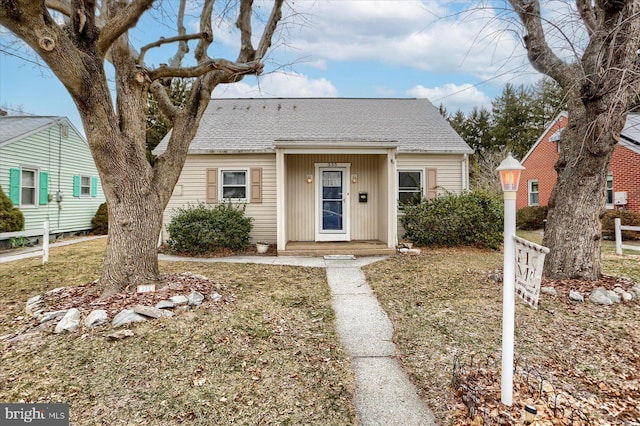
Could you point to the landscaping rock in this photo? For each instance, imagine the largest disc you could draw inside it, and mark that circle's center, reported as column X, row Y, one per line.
column 549, row 290
column 121, row 334
column 33, row 304
column 409, row 251
column 48, row 316
column 195, row 298
column 216, row 297
column 148, row 311
column 615, row 297
column 70, row 322
column 96, row 318
column 165, row 304
column 600, row 296
column 627, row 297
column 576, row 296
column 179, row 300
column 192, row 275
column 125, row 317
column 636, row 290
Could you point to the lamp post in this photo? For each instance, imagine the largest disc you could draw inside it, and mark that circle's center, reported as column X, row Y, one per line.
column 510, row 170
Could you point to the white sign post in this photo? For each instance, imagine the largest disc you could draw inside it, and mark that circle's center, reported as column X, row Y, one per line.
column 529, row 263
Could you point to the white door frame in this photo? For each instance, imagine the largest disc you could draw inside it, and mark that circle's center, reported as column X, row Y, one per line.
column 333, row 235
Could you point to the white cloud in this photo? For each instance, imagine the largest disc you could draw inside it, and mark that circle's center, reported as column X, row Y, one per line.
column 417, row 34
column 454, row 97
column 278, row 85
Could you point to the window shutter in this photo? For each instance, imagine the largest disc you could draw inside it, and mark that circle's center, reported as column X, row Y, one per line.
column 94, row 186
column 432, row 183
column 256, row 185
column 76, row 186
column 44, row 188
column 14, row 186
column 212, row 185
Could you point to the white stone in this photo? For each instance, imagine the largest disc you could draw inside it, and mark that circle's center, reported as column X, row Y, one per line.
column 70, row 322
column 195, row 298
column 125, row 317
column 96, row 318
column 615, row 297
column 164, row 304
column 600, row 296
column 549, row 290
column 33, row 304
column 48, row 316
column 191, row 274
column 576, row 296
column 636, row 289
column 626, row 297
column 148, row 311
column 179, row 300
column 216, row 297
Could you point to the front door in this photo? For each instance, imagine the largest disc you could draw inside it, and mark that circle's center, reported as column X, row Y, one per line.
column 332, row 206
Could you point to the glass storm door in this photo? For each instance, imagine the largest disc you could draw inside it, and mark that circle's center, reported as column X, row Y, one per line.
column 332, row 203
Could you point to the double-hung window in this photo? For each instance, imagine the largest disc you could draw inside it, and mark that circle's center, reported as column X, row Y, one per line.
column 234, row 185
column 85, row 186
column 610, row 190
column 410, row 186
column 533, row 192
column 28, row 187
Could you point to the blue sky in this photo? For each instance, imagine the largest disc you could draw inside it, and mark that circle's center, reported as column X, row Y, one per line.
column 339, row 48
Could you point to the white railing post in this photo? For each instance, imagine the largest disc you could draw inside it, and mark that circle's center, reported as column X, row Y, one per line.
column 618, row 231
column 508, row 297
column 45, row 242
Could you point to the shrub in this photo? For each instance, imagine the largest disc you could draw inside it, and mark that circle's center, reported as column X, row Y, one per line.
column 531, row 218
column 198, row 229
column 100, row 221
column 627, row 217
column 470, row 219
column 11, row 219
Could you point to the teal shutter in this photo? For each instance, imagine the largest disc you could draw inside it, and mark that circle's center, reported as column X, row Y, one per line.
column 94, row 186
column 14, row 186
column 44, row 188
column 76, row 186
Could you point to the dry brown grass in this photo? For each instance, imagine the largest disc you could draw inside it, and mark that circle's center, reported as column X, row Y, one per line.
column 271, row 357
column 445, row 304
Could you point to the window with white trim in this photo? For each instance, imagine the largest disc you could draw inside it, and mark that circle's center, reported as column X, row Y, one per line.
column 533, row 192
column 234, row 185
column 85, row 186
column 610, row 190
column 28, row 187
column 410, row 186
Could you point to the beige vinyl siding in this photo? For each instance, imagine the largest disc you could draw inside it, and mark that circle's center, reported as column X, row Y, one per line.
column 301, row 205
column 192, row 188
column 448, row 172
column 62, row 158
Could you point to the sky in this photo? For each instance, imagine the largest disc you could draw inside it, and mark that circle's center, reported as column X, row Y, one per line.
column 446, row 51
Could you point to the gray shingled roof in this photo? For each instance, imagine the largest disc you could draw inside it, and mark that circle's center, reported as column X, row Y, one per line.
column 17, row 127
column 631, row 132
column 254, row 125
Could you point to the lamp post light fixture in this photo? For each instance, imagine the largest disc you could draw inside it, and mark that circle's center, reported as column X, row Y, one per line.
column 510, row 170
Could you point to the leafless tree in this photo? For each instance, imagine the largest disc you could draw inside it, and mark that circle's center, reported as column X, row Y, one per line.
column 77, row 47
column 601, row 81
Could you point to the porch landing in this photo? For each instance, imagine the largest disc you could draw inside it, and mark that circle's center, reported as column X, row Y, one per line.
column 356, row 248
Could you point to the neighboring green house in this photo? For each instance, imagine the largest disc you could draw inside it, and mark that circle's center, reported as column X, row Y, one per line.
column 47, row 170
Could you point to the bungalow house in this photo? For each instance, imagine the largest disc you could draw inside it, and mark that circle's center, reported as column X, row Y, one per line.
column 321, row 170
column 623, row 179
column 47, row 171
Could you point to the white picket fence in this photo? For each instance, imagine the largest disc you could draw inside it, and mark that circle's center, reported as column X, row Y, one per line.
column 618, row 229
column 44, row 251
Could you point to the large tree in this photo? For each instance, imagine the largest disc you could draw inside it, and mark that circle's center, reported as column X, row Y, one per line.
column 601, row 82
column 77, row 48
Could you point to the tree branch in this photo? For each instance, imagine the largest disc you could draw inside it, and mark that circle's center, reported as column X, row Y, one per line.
column 247, row 52
column 206, row 30
column 540, row 54
column 162, row 40
column 116, row 25
column 183, row 46
column 59, row 6
column 269, row 29
column 164, row 101
column 228, row 70
column 588, row 15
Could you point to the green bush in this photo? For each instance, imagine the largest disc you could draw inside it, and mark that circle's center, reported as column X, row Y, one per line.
column 198, row 229
column 627, row 218
column 470, row 219
column 100, row 221
column 11, row 219
column 531, row 218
